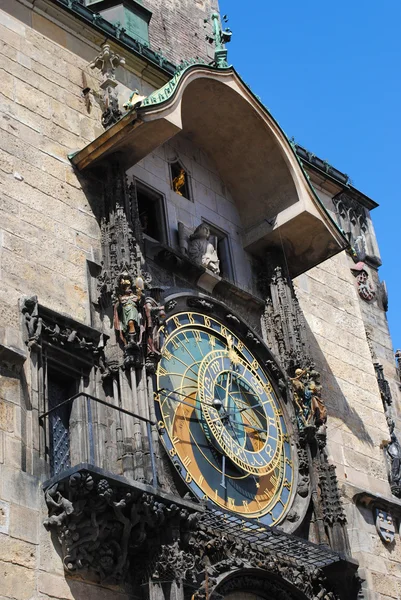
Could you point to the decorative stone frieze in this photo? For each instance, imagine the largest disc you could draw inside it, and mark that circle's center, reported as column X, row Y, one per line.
column 107, row 62
column 43, row 325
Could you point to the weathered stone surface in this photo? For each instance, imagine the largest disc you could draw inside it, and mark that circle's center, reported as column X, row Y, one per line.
column 7, row 416
column 16, row 581
column 385, row 585
column 16, row 551
column 19, row 487
column 24, row 523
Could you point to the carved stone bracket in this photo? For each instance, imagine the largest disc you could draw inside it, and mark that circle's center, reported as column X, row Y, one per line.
column 105, row 525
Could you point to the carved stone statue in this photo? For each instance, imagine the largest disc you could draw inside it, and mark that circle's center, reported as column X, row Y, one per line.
column 128, row 310
column 154, row 315
column 394, row 454
column 309, row 406
column 202, row 251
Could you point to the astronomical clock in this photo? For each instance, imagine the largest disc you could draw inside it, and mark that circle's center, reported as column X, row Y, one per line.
column 221, row 417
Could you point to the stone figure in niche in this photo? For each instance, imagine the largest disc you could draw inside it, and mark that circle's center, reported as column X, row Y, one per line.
column 309, row 406
column 202, row 251
column 153, row 316
column 394, row 453
column 128, row 310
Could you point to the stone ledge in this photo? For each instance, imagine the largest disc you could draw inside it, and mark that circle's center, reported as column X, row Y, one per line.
column 10, row 354
column 372, row 499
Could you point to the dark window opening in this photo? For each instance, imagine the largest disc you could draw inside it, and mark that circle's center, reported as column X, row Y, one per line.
column 151, row 213
column 60, row 387
column 180, row 180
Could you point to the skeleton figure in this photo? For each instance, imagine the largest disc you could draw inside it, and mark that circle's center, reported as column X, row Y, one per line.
column 202, row 251
column 310, row 409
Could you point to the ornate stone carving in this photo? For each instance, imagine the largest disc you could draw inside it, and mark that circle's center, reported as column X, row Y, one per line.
column 283, row 321
column 309, row 407
column 174, row 564
column 353, row 220
column 171, row 304
column 365, row 288
column 119, row 237
column 219, row 555
column 153, row 316
column 384, row 386
column 33, row 323
column 285, row 333
column 384, row 525
column 45, row 325
column 123, row 282
column 393, row 453
column 137, row 319
column 102, row 526
column 303, row 465
column 333, row 511
column 200, row 303
column 107, row 62
column 201, row 251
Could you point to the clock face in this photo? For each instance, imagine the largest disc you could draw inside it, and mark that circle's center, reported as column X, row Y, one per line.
column 221, row 421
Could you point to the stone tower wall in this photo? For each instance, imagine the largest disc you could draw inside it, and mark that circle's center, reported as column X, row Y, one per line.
column 177, row 28
column 47, row 233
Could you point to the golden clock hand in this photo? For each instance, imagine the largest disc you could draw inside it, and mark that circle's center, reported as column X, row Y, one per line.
column 243, row 424
column 228, row 385
column 163, row 391
column 235, row 412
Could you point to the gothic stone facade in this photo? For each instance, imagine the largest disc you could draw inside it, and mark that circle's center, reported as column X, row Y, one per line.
column 92, row 503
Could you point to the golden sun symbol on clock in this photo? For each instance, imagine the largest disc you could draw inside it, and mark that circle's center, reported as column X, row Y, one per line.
column 221, row 421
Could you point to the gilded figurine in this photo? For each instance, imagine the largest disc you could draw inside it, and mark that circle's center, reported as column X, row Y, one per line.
column 179, row 182
column 134, row 101
column 202, row 251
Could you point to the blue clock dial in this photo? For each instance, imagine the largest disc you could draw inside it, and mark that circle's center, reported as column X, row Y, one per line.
column 221, row 420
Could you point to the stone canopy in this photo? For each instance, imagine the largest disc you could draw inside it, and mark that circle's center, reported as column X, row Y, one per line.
column 215, row 109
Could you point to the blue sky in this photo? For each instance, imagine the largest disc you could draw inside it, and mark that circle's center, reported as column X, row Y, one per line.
column 330, row 73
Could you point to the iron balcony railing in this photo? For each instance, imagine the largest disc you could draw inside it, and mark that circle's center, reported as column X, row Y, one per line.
column 75, row 432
